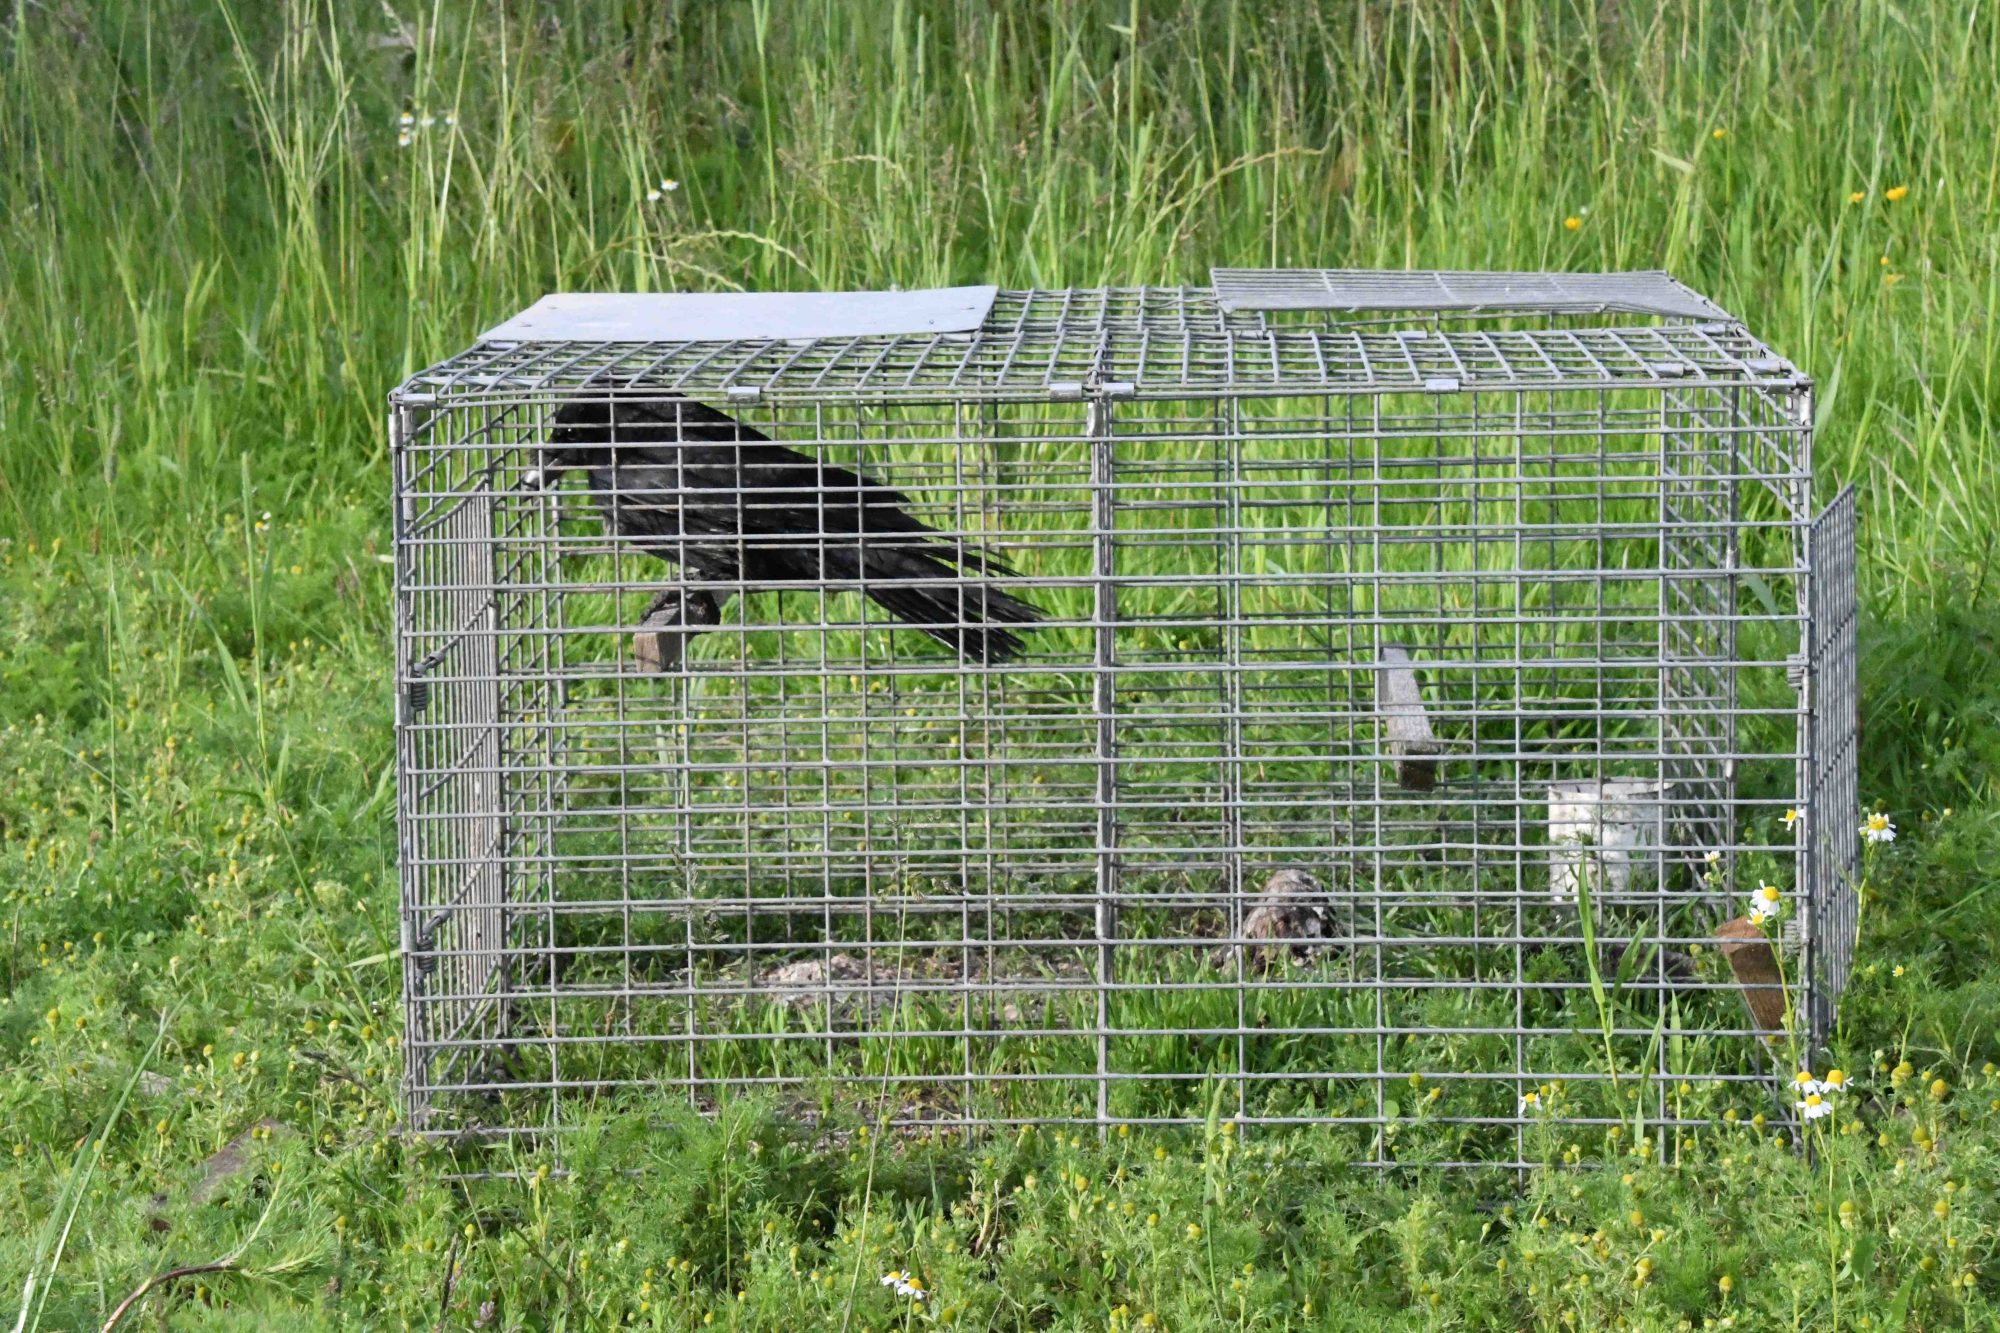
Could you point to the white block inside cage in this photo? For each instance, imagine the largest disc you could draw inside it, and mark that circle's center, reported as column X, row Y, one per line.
column 1607, row 835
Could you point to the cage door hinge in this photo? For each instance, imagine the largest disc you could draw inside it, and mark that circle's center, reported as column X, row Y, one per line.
column 1097, row 423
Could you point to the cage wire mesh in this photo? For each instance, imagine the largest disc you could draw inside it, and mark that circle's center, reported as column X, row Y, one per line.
column 1406, row 681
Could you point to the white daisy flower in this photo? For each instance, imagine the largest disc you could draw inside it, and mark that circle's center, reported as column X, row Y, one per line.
column 1793, row 816
column 1878, row 828
column 406, row 120
column 1713, row 858
column 652, row 196
column 669, row 184
column 1765, row 903
column 905, row 1284
column 1530, row 1102
column 1814, row 1106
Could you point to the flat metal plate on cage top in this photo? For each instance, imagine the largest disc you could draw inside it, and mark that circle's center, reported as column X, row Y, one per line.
column 745, row 316
column 1641, row 293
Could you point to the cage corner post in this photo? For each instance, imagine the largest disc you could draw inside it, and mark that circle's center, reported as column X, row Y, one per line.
column 406, row 419
column 451, row 820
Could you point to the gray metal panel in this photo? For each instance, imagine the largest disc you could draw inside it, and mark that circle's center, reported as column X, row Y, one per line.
column 1027, row 357
column 1644, row 293
column 1832, row 842
column 744, row 316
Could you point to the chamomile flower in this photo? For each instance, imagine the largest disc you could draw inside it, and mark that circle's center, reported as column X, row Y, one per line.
column 1531, row 1102
column 1816, row 1094
column 905, row 1284
column 406, row 120
column 1793, row 816
column 1765, row 903
column 652, row 196
column 1878, row 828
column 668, row 185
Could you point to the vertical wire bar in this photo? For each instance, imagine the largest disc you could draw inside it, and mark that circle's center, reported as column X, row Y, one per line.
column 1104, row 616
column 1518, row 795
column 1806, row 840
column 1475, row 804
column 827, row 788
column 694, row 821
column 416, row 1090
column 1233, row 444
column 963, row 677
column 1379, row 748
column 1669, row 773
column 563, row 728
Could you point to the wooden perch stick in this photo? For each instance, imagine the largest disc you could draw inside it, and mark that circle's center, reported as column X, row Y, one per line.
column 1401, row 703
column 1757, row 973
column 660, row 643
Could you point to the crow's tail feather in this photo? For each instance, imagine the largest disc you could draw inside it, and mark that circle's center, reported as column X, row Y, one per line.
column 963, row 614
column 964, row 617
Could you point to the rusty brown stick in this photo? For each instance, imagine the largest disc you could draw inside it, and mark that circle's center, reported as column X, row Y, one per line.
column 160, row 1280
column 1758, row 975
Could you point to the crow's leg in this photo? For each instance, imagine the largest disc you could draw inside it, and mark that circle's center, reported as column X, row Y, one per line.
column 661, row 639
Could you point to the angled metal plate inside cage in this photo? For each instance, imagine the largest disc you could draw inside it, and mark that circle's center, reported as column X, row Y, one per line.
column 1639, row 293
column 1833, row 708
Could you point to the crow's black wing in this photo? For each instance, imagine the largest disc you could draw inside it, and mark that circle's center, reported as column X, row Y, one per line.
column 720, row 477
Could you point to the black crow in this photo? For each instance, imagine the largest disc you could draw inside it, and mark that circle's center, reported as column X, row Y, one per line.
column 730, row 507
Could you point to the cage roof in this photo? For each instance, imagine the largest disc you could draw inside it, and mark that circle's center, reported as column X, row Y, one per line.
column 1253, row 331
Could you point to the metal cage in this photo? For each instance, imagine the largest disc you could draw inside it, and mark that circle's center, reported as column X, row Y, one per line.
column 1423, row 670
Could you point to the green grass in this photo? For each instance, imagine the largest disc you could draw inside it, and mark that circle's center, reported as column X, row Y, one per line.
column 217, row 262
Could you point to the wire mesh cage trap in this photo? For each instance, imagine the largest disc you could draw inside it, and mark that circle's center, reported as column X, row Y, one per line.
column 1357, row 699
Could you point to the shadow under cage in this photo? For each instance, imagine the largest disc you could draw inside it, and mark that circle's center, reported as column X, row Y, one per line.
column 1355, row 699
